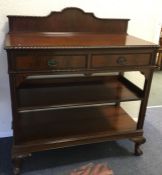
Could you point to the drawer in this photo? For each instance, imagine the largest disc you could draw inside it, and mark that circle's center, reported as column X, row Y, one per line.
column 49, row 62
column 106, row 60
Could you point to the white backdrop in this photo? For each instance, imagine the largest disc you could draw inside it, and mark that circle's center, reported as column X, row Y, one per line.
column 145, row 21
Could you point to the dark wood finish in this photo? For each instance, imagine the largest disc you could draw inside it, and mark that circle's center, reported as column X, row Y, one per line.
column 160, row 51
column 138, row 141
column 83, row 123
column 68, row 20
column 70, row 104
column 48, row 62
column 17, row 165
column 102, row 61
column 67, row 40
column 80, row 91
column 160, row 58
column 17, row 162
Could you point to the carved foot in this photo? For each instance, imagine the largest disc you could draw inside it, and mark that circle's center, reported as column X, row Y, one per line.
column 138, row 142
column 16, row 165
column 17, row 162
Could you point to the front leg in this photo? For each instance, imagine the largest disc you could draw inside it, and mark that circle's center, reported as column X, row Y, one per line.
column 138, row 142
column 17, row 162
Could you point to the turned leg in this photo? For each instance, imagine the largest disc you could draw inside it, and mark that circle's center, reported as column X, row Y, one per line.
column 138, row 142
column 17, row 162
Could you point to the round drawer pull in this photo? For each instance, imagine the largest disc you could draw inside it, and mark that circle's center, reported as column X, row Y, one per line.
column 52, row 63
column 121, row 60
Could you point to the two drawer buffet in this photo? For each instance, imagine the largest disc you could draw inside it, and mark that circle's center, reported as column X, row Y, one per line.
column 67, row 81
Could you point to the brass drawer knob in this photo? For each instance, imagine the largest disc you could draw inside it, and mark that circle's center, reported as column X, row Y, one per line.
column 52, row 63
column 121, row 60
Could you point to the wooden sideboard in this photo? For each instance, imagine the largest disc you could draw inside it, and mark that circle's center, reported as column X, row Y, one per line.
column 67, row 81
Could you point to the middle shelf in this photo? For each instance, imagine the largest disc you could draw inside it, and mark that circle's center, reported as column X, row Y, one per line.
column 41, row 94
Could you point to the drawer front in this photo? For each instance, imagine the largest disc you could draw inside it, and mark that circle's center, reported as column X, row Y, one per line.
column 49, row 62
column 106, row 60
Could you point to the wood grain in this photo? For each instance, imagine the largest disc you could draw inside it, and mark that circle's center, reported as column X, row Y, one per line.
column 72, row 40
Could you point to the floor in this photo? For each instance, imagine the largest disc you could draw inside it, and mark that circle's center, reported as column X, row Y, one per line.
column 155, row 98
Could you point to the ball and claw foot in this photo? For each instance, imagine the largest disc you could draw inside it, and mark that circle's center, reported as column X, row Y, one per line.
column 17, row 162
column 138, row 142
column 16, row 171
column 16, row 165
column 138, row 151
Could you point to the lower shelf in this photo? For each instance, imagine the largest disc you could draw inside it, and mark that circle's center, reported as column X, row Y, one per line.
column 60, row 127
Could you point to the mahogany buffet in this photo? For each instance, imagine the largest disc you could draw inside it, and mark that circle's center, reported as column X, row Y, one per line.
column 67, row 81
